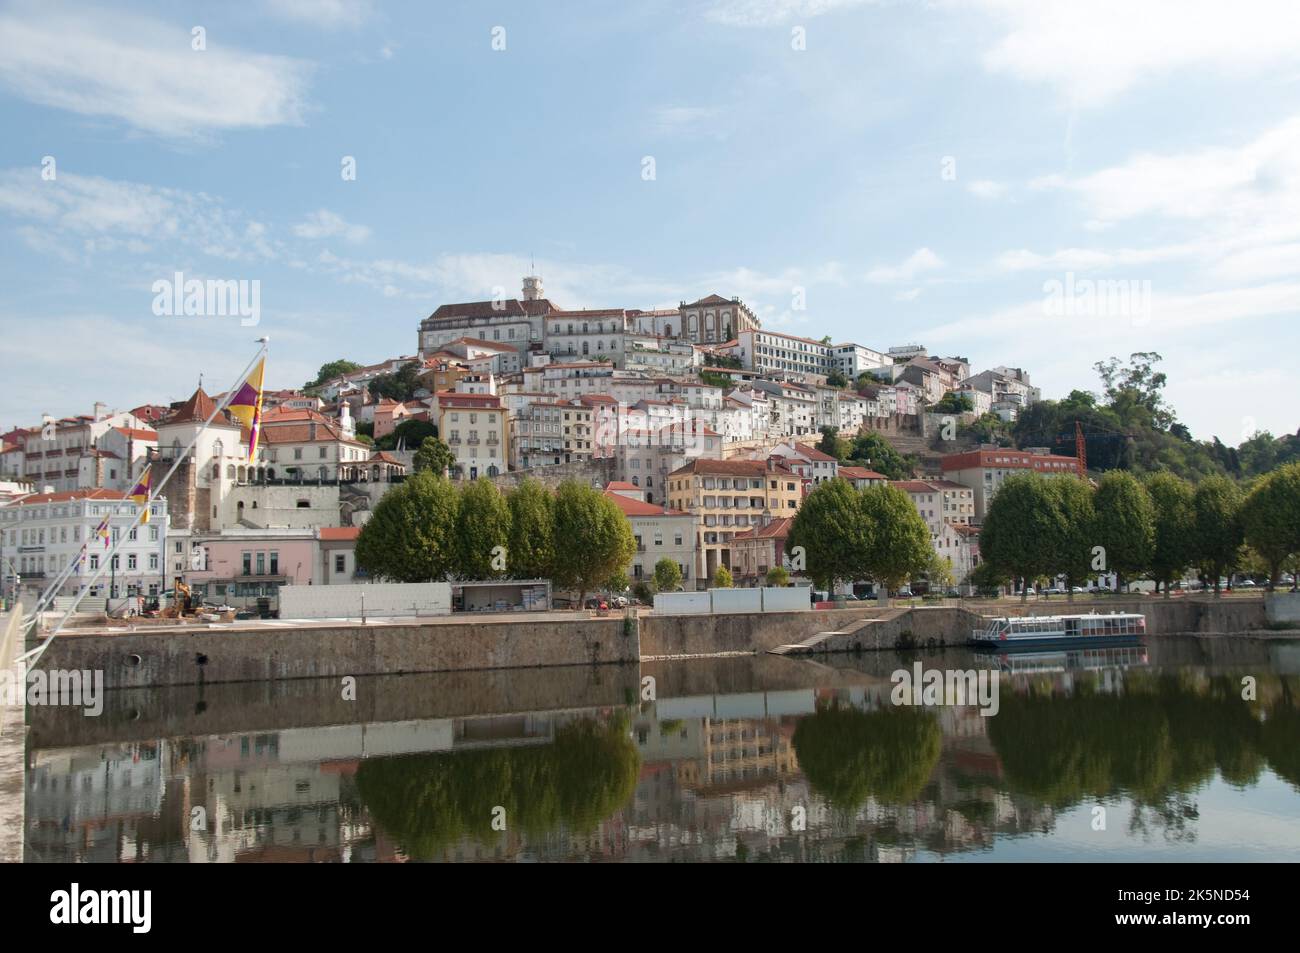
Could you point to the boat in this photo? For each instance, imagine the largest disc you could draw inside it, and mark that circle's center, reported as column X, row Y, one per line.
column 1115, row 628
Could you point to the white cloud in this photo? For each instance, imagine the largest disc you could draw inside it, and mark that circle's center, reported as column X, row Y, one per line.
column 769, row 12
column 103, row 215
column 911, row 294
column 986, row 189
column 1092, row 51
column 327, row 14
column 143, row 72
column 677, row 119
column 326, row 224
column 919, row 262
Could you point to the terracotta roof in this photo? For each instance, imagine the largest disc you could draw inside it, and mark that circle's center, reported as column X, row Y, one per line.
column 913, row 486
column 812, row 453
column 135, row 433
column 339, row 533
column 512, row 307
column 383, row 456
column 451, row 398
column 778, row 528
column 711, row 299
column 860, row 473
column 69, row 495
column 631, row 507
column 620, row 485
column 197, row 409
column 1006, row 458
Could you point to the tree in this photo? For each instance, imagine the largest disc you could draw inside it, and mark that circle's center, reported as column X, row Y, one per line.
column 778, row 577
column 832, row 444
column 409, row 433
column 1174, row 549
column 873, row 451
column 411, row 535
column 1019, row 534
column 722, row 578
column 834, row 532
column 532, row 540
column 900, row 541
column 668, row 575
column 1125, row 525
column 988, row 579
column 1076, row 520
column 330, row 371
column 1270, row 517
column 482, row 525
column 939, row 571
column 434, row 455
column 594, row 539
column 1216, row 506
column 836, row 379
column 953, row 403
column 400, row 385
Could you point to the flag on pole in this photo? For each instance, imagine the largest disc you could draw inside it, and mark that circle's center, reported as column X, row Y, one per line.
column 139, row 494
column 102, row 530
column 246, row 406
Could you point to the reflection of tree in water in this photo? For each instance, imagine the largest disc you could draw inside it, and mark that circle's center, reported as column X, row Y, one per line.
column 848, row 755
column 430, row 801
column 1156, row 743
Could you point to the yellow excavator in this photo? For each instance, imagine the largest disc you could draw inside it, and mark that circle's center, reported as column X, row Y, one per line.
column 182, row 601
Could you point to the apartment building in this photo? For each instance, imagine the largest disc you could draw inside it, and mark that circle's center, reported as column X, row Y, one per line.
column 985, row 470
column 758, row 550
column 475, row 427
column 728, row 497
column 515, row 322
column 104, row 450
column 660, row 533
column 42, row 533
column 940, row 502
column 305, row 445
column 770, row 352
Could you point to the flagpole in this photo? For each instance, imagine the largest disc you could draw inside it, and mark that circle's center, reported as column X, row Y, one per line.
column 35, row 654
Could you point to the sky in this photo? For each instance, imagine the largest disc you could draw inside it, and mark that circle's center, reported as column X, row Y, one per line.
column 1029, row 183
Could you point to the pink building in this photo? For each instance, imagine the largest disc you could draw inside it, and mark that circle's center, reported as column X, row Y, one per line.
column 240, row 565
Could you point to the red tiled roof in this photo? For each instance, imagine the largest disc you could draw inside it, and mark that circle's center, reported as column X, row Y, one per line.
column 778, row 528
column 68, row 495
column 620, row 485
column 812, row 453
column 135, row 433
column 512, row 307
column 860, row 473
column 197, row 409
column 631, row 507
column 711, row 299
column 339, row 533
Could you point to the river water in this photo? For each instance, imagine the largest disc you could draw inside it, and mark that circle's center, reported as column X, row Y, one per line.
column 1183, row 749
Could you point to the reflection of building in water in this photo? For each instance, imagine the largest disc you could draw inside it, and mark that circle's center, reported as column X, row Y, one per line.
column 86, row 803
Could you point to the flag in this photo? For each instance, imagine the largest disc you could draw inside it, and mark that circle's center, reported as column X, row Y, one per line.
column 102, row 530
column 139, row 494
column 246, row 406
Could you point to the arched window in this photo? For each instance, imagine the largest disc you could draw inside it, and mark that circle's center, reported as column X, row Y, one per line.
column 493, row 471
column 216, row 470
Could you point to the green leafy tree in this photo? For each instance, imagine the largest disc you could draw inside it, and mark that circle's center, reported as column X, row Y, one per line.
column 1270, row 517
column 482, row 525
column 668, row 575
column 874, row 452
column 329, row 371
column 400, row 386
column 722, row 578
column 778, row 577
column 411, row 535
column 409, row 433
column 1076, row 519
column 1174, row 504
column 988, row 579
column 597, row 538
column 939, row 572
column 834, row 532
column 1125, row 525
column 954, row 403
column 434, row 455
column 1216, row 504
column 1021, row 529
column 900, row 540
column 532, row 531
column 836, row 379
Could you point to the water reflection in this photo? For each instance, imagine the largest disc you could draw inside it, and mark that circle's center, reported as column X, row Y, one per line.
column 740, row 759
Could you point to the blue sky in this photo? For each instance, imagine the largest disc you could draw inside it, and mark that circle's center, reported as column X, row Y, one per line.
column 922, row 170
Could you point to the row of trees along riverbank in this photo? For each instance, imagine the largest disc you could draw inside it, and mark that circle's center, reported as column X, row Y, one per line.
column 1159, row 527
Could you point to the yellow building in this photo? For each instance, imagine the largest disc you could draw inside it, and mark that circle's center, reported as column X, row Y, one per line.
column 727, row 497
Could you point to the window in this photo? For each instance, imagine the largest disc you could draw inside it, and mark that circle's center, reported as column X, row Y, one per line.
column 275, row 563
column 248, row 563
column 261, row 564
column 131, row 561
column 340, row 563
column 153, row 561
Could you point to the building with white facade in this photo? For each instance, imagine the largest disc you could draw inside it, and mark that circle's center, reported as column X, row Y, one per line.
column 770, row 352
column 660, row 533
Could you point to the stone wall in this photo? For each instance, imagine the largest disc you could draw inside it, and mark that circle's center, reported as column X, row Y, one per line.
column 264, row 653
column 590, row 472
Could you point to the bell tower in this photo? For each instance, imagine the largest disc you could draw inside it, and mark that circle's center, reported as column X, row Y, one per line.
column 533, row 287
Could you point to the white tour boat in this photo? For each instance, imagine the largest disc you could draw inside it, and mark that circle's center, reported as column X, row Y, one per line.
column 1091, row 628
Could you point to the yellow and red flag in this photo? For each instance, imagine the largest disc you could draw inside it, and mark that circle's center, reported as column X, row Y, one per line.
column 246, row 406
column 139, row 494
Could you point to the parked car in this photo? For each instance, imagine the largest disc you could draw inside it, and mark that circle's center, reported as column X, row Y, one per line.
column 904, row 593
column 952, row 592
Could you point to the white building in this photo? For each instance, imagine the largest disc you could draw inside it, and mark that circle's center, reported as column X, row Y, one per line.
column 770, row 352
column 41, row 534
